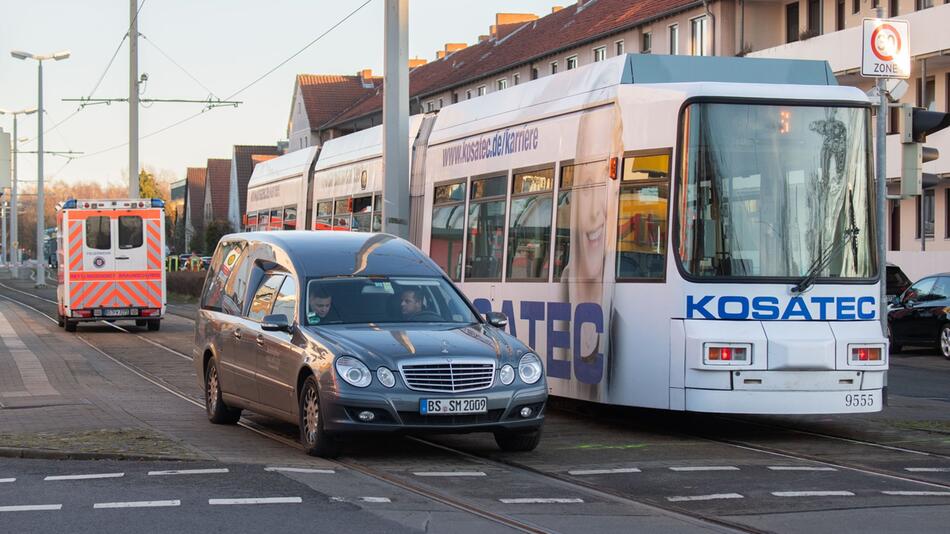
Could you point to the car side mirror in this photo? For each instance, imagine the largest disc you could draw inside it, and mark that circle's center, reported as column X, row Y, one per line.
column 895, row 300
column 497, row 319
column 275, row 323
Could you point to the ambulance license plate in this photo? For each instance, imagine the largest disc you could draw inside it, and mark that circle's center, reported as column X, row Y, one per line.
column 453, row 406
column 115, row 313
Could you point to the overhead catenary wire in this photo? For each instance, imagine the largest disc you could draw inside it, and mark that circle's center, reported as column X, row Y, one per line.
column 183, row 69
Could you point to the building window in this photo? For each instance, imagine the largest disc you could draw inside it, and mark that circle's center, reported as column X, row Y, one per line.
column 791, row 22
column 572, row 63
column 893, row 8
column 647, row 44
column 839, row 15
column 674, row 39
column 554, row 67
column 814, row 17
column 515, row 78
column 893, row 120
column 455, row 98
column 482, row 90
column 855, row 6
column 924, row 4
column 440, row 103
column 875, row 3
column 501, row 84
column 534, row 73
column 430, row 105
column 698, row 38
column 928, row 216
column 929, row 100
column 618, row 47
column 468, row 94
column 600, row 53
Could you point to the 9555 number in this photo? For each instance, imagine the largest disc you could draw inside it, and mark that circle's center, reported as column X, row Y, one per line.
column 856, row 400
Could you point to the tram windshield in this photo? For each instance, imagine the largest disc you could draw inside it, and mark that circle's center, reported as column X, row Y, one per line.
column 772, row 191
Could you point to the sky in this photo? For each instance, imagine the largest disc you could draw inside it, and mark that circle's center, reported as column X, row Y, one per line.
column 222, row 44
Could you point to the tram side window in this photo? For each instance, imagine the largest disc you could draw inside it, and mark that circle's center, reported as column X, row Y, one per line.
column 362, row 214
column 448, row 219
column 342, row 212
column 276, row 219
column 642, row 223
column 290, row 218
column 378, row 213
column 99, row 233
column 251, row 221
column 130, row 231
column 581, row 219
column 486, row 229
column 529, row 226
column 324, row 218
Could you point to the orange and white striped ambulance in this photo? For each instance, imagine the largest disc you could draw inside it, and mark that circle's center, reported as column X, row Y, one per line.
column 111, row 257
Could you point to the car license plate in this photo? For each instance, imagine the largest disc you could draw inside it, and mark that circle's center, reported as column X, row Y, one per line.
column 453, row 406
column 115, row 313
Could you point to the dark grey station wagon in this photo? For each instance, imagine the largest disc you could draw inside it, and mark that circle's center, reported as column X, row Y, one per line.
column 345, row 332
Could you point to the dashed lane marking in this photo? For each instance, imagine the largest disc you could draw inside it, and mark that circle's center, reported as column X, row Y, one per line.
column 3, row 480
column 541, row 500
column 710, row 497
column 928, row 469
column 799, row 468
column 188, row 472
column 813, row 493
column 450, row 474
column 300, row 470
column 137, row 504
column 918, row 493
column 580, row 472
column 257, row 500
column 375, row 499
column 705, row 468
column 31, row 508
column 85, row 477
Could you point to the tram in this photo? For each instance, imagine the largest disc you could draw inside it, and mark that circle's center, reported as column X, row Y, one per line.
column 668, row 232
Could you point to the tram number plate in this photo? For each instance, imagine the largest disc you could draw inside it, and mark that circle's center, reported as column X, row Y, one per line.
column 115, row 313
column 858, row 400
column 453, row 406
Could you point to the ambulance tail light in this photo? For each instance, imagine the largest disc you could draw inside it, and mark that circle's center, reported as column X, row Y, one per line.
column 866, row 354
column 727, row 354
column 82, row 313
column 151, row 312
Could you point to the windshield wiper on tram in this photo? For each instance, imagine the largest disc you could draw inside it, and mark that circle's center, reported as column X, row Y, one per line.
column 824, row 258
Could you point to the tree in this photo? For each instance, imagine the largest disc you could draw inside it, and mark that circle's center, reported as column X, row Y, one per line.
column 214, row 232
column 197, row 244
column 149, row 187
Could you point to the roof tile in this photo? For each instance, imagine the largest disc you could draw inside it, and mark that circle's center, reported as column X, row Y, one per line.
column 219, row 184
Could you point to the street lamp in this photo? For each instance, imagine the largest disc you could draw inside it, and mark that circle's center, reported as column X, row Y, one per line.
column 40, row 212
column 14, row 237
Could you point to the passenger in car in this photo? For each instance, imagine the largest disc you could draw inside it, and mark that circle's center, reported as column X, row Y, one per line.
column 319, row 306
column 410, row 304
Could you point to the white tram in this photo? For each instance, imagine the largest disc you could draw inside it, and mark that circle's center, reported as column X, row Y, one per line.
column 667, row 232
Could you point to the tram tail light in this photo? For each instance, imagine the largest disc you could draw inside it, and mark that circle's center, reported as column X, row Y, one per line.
column 866, row 355
column 727, row 354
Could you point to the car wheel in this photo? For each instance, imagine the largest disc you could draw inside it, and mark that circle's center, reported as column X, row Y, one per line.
column 61, row 321
column 140, row 322
column 219, row 413
column 154, row 325
column 945, row 341
column 518, row 441
column 70, row 325
column 316, row 441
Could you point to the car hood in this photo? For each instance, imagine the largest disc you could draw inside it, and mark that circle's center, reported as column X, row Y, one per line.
column 390, row 344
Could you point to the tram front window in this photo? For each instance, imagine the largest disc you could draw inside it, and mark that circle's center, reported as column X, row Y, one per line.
column 773, row 191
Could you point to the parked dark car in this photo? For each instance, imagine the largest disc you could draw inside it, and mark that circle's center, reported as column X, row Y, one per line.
column 921, row 315
column 344, row 333
column 897, row 281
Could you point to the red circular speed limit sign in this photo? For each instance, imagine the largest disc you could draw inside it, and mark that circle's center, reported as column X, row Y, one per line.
column 885, row 42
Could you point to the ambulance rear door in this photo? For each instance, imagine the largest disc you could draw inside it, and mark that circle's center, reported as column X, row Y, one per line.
column 96, row 269
column 138, row 258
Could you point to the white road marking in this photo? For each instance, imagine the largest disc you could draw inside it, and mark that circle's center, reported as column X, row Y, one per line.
column 85, row 477
column 706, row 468
column 449, row 474
column 928, row 469
column 711, row 497
column 2, row 480
column 31, row 507
column 813, row 494
column 799, row 468
column 188, row 472
column 258, row 500
column 375, row 499
column 578, row 472
column 918, row 493
column 300, row 470
column 540, row 500
column 137, row 504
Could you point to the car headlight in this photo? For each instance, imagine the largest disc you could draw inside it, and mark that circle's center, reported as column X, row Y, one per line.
column 385, row 377
column 353, row 371
column 530, row 368
column 507, row 374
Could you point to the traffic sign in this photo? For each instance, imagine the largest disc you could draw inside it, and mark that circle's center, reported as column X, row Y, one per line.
column 885, row 49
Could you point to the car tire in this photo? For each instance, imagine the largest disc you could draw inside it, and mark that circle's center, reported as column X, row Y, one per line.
column 61, row 321
column 219, row 413
column 518, row 441
column 945, row 341
column 315, row 440
column 154, row 325
column 141, row 322
column 70, row 325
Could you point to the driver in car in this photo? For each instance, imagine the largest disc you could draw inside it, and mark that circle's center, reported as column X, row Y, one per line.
column 410, row 304
column 320, row 306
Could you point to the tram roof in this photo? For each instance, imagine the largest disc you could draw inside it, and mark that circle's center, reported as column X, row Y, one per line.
column 290, row 165
column 360, row 145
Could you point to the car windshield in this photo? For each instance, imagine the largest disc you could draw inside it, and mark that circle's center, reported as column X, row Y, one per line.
column 377, row 300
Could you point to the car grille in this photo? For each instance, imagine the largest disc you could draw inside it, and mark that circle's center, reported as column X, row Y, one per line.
column 445, row 376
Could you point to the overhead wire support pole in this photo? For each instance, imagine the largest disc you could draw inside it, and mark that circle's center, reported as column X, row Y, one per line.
column 133, row 101
column 881, row 174
column 396, row 119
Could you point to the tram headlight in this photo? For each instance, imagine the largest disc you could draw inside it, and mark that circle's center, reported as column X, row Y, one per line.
column 353, row 371
column 727, row 354
column 530, row 369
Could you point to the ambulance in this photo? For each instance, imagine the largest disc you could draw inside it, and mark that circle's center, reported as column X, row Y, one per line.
column 111, row 257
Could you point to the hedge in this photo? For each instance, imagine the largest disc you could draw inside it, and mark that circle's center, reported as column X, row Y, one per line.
column 186, row 282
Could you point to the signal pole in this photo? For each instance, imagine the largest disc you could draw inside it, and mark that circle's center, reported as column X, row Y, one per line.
column 133, row 101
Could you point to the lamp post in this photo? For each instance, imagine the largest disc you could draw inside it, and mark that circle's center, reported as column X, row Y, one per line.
column 13, row 258
column 40, row 212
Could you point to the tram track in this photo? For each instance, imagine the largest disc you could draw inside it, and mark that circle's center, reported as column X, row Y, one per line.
column 689, row 516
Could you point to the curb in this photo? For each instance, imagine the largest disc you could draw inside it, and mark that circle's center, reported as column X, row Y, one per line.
column 49, row 454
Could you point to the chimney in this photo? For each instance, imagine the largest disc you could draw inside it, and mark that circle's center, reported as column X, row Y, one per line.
column 505, row 23
column 366, row 77
column 482, row 38
column 555, row 9
column 416, row 62
column 454, row 47
column 439, row 54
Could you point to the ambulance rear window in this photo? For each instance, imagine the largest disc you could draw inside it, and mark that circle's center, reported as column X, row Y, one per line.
column 130, row 231
column 98, row 233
